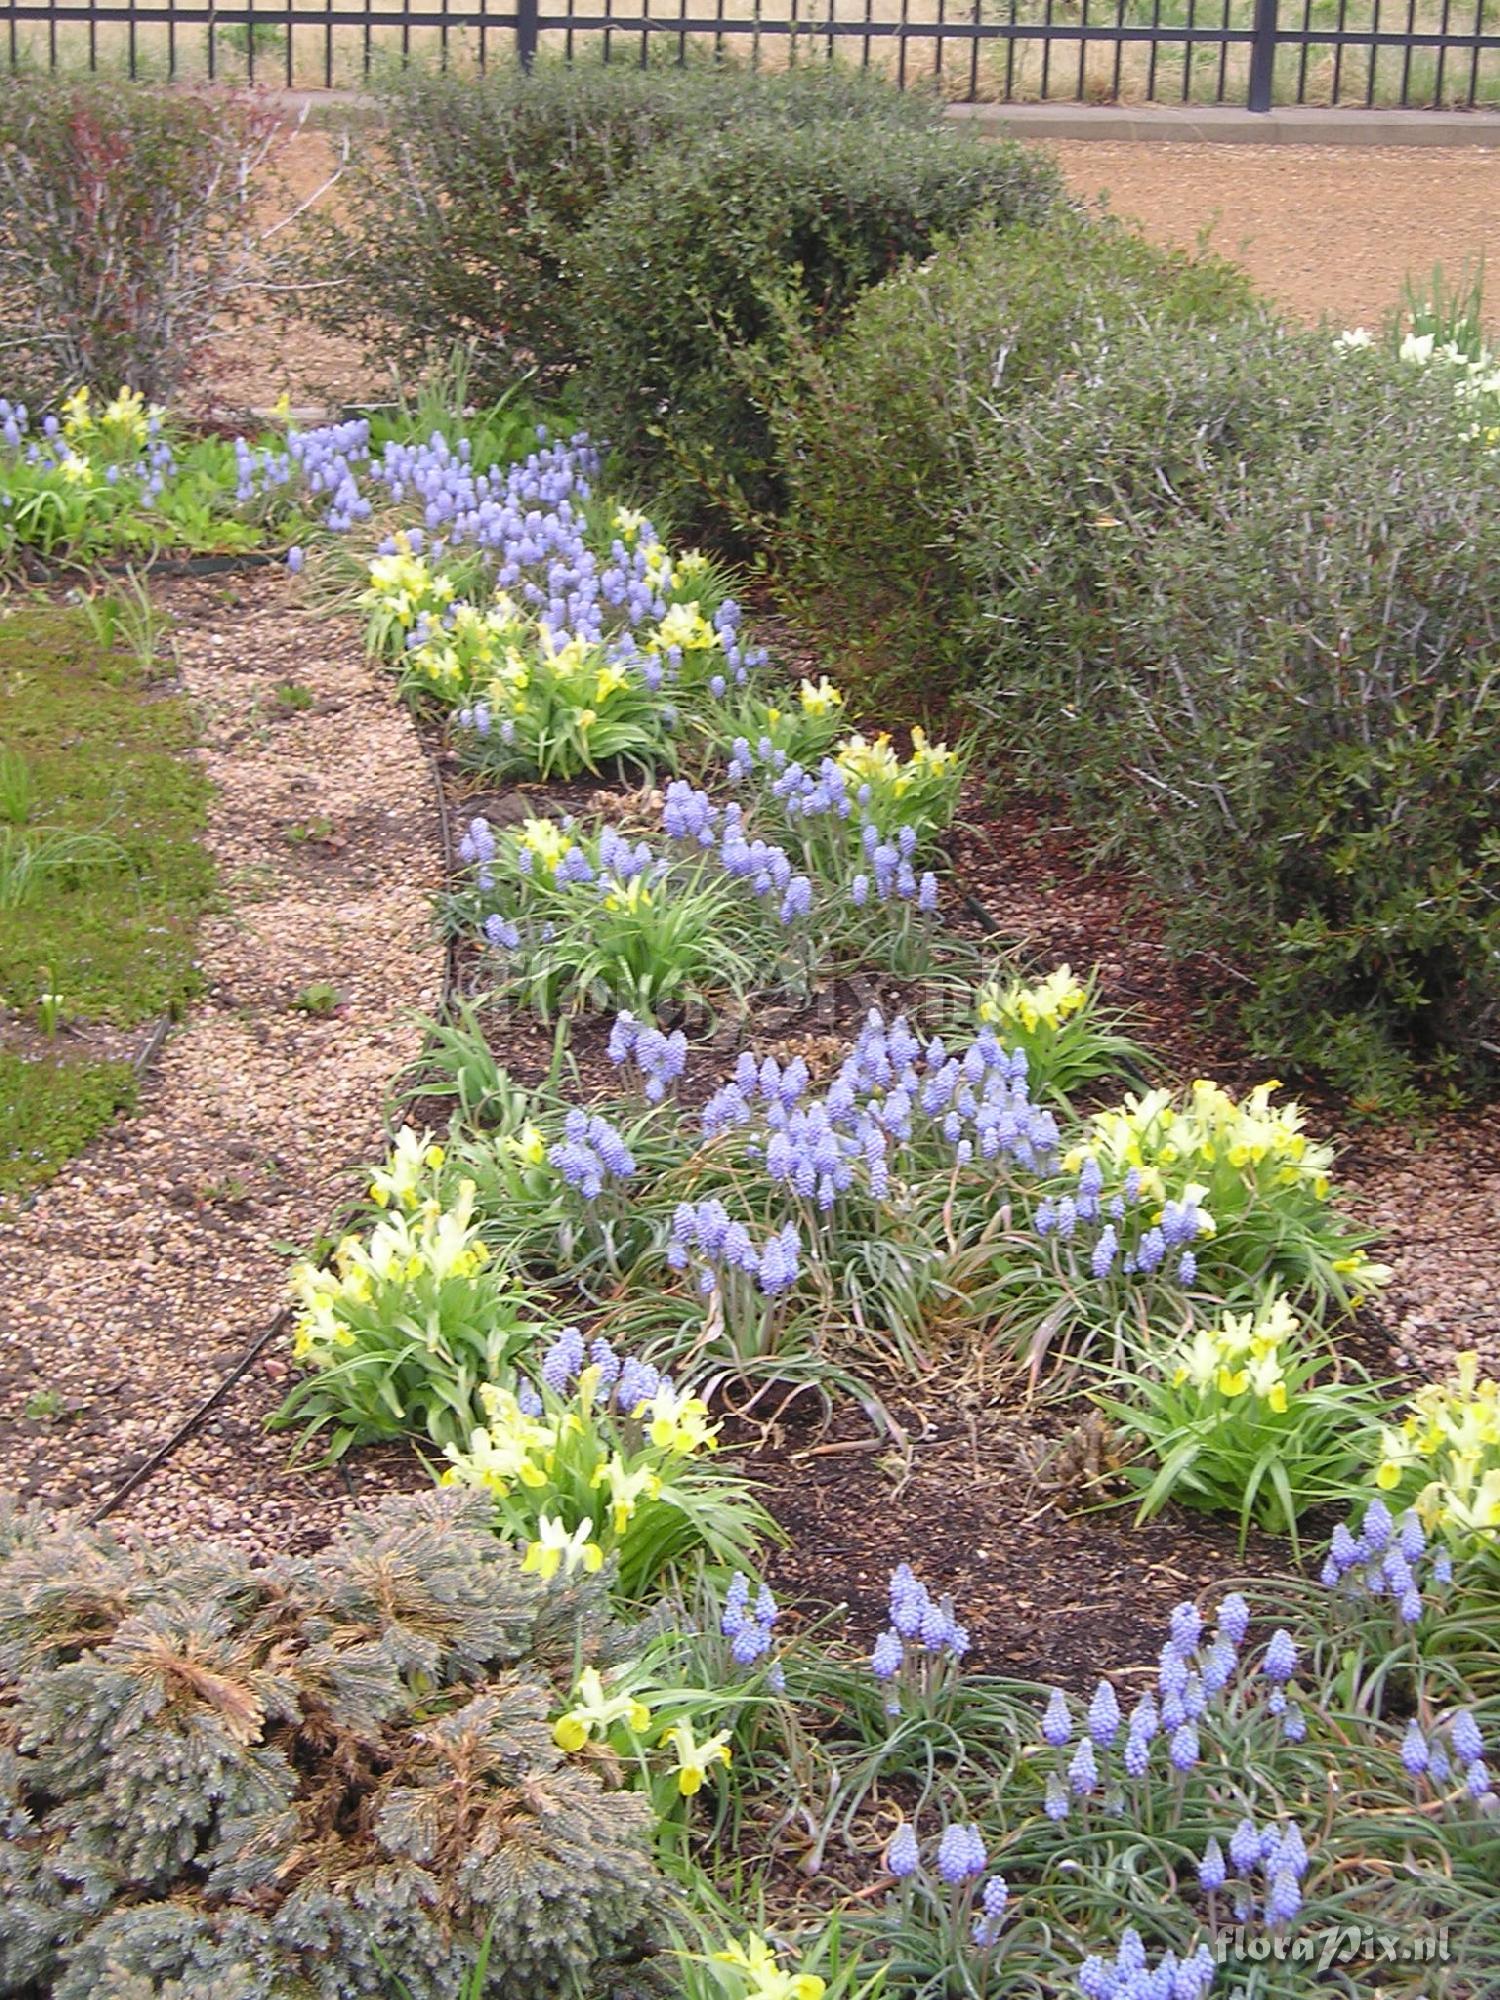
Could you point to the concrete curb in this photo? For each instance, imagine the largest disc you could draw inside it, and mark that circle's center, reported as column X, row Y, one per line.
column 1228, row 125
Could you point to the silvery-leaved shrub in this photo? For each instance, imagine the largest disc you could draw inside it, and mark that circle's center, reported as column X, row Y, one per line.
column 321, row 1778
column 1235, row 599
column 874, row 429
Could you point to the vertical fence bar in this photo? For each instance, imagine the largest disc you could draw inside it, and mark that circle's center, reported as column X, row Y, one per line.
column 1374, row 56
column 1304, row 53
column 1263, row 56
column 1411, row 29
column 1046, row 50
column 1442, row 56
column 249, row 42
column 526, row 32
column 328, row 45
column 1083, row 48
column 937, row 53
column 900, row 40
column 1155, row 50
column 1010, row 55
column 1338, row 54
column 1225, row 23
column 1474, row 54
column 1119, row 52
column 864, row 55
column 974, row 54
column 1189, row 50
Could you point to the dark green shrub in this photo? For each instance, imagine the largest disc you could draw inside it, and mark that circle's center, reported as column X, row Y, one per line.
column 699, row 277
column 323, row 1778
column 1237, row 596
column 130, row 219
column 875, row 433
column 457, row 218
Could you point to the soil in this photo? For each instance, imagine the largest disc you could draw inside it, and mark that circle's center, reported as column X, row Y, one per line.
column 1327, row 232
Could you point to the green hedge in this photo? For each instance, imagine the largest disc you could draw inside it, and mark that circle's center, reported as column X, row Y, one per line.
column 702, row 276
column 458, row 215
column 1237, row 596
column 876, row 433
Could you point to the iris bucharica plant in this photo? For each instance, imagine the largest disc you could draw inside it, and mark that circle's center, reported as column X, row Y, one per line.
column 405, row 1321
column 860, row 806
column 584, row 1450
column 1068, row 1036
column 1251, row 1415
column 1166, row 1211
column 1444, row 1456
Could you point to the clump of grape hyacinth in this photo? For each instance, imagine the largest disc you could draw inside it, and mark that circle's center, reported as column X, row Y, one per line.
column 658, row 1059
column 747, row 1622
column 1386, row 1562
column 1460, row 1763
column 590, row 1154
column 922, row 1643
column 1130, row 1975
column 705, row 1239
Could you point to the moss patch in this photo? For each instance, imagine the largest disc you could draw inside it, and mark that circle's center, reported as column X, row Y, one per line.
column 105, row 811
column 102, row 878
column 53, row 1107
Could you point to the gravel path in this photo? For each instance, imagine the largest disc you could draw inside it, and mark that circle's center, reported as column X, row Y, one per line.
column 137, row 1278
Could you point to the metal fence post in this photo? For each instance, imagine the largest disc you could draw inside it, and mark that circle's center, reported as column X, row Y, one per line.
column 526, row 31
column 1262, row 55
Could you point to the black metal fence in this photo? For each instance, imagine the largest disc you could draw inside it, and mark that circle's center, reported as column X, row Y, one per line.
column 1442, row 53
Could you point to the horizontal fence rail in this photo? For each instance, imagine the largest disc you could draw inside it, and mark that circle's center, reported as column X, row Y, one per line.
column 1257, row 53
